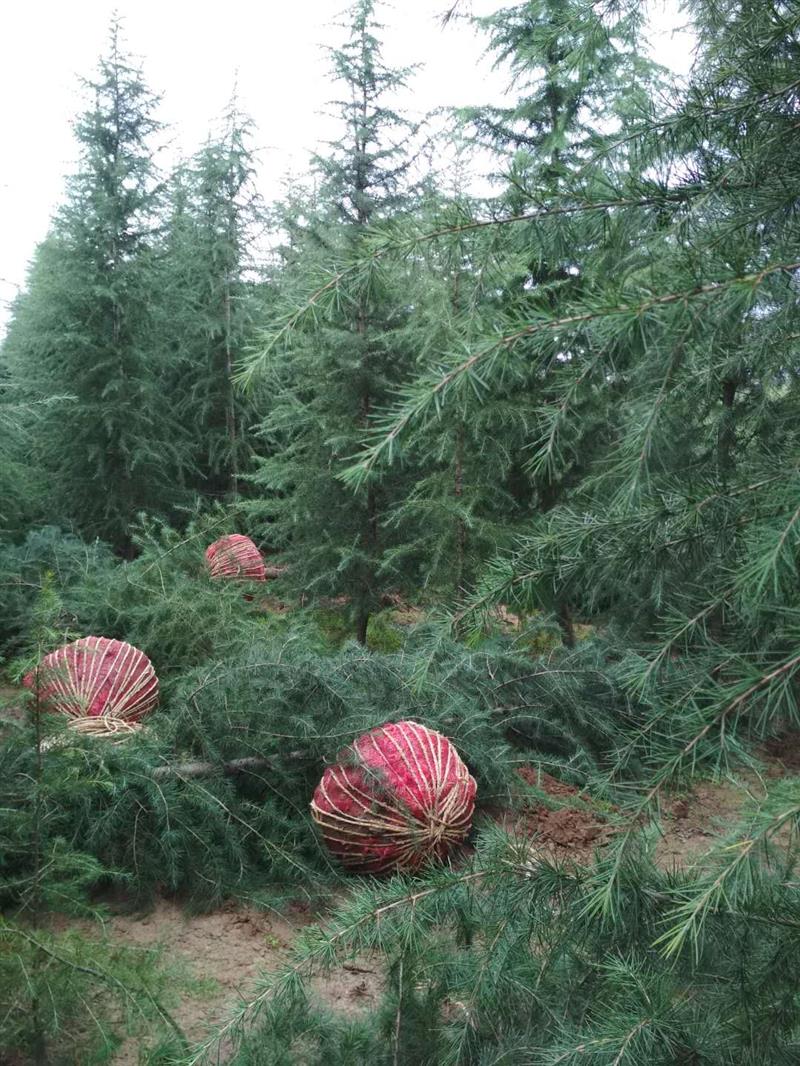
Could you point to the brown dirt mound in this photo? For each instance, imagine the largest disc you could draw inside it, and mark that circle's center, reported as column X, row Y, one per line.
column 570, row 825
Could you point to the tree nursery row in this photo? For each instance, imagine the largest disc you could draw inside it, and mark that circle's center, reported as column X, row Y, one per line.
column 356, row 548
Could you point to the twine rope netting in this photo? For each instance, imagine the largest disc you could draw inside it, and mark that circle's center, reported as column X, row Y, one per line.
column 96, row 677
column 102, row 726
column 235, row 556
column 400, row 797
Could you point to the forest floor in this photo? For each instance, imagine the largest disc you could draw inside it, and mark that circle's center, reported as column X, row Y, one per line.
column 222, row 953
column 218, row 957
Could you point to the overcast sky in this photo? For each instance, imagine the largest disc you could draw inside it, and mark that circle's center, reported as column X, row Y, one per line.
column 193, row 53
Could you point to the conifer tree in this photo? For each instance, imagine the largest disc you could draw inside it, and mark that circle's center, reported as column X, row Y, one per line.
column 327, row 379
column 465, row 498
column 208, row 296
column 84, row 326
column 680, row 345
column 21, row 482
column 576, row 73
column 580, row 80
column 688, row 495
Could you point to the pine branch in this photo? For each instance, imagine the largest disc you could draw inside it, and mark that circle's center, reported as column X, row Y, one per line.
column 706, row 899
column 232, row 768
column 252, row 367
column 601, row 901
column 430, row 391
column 99, row 975
column 279, row 983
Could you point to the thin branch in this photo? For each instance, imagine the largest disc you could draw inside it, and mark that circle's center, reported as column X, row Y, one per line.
column 415, row 408
column 99, row 975
column 230, row 769
column 248, row 370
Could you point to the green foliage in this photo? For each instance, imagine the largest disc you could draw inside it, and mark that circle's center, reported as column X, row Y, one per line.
column 84, row 327
column 504, row 960
column 382, row 635
column 21, row 486
column 327, row 378
column 162, row 602
column 211, row 799
column 208, row 300
column 661, row 441
column 46, row 554
column 51, row 980
column 578, row 75
column 642, row 312
column 119, row 355
column 73, row 997
column 574, row 402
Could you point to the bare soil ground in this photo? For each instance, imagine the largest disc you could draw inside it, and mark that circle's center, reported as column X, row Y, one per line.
column 226, row 950
column 221, row 954
column 690, row 822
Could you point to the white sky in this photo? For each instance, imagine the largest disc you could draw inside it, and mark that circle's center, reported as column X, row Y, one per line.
column 192, row 53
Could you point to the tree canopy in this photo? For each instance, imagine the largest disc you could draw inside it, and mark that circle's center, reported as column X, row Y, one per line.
column 524, row 467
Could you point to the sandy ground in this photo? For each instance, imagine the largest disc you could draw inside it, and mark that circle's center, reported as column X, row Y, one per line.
column 222, row 954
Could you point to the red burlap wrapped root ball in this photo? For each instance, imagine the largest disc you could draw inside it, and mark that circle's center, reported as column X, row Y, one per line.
column 235, row 557
column 397, row 799
column 103, row 685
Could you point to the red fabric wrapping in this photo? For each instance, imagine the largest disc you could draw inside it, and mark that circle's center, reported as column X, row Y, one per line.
column 235, row 556
column 397, row 799
column 95, row 676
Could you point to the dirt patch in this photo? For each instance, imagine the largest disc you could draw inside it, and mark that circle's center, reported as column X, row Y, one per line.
column 782, row 754
column 508, row 621
column 691, row 823
column 570, row 826
column 223, row 953
column 272, row 605
column 402, row 612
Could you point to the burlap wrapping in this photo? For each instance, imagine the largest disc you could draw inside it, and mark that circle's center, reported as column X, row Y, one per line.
column 399, row 798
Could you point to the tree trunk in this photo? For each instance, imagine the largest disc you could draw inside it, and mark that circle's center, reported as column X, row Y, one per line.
column 248, row 764
column 362, row 621
column 458, row 492
column 567, row 626
column 230, row 408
